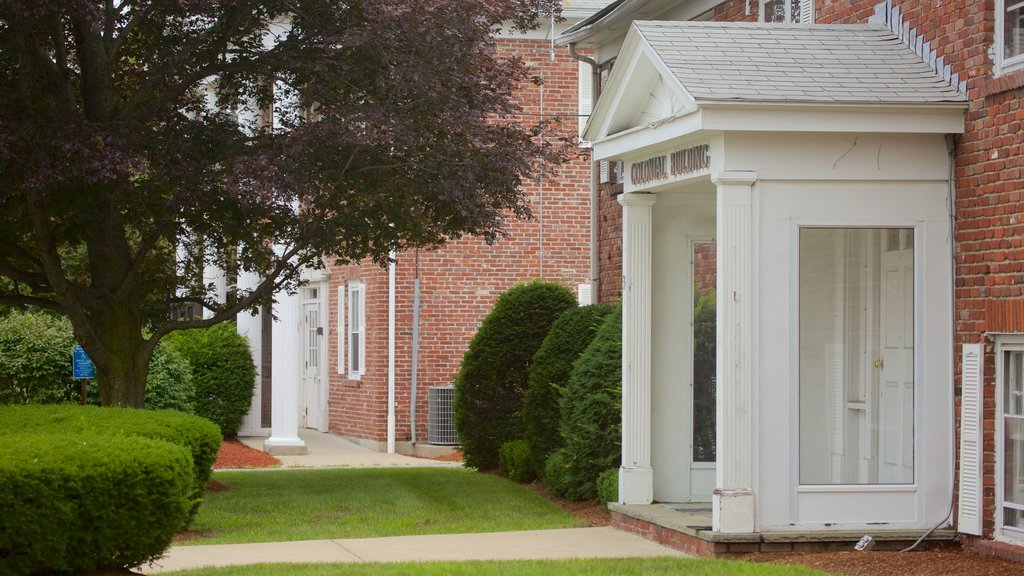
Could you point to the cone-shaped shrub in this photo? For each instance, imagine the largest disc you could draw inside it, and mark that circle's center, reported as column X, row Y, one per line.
column 492, row 381
column 549, row 374
column 592, row 413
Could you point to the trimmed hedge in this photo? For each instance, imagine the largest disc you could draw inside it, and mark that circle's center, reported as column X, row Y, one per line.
column 198, row 436
column 84, row 503
column 490, row 386
column 549, row 373
column 223, row 372
column 592, row 413
column 515, row 461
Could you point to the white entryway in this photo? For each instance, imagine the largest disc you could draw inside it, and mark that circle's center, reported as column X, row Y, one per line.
column 313, row 396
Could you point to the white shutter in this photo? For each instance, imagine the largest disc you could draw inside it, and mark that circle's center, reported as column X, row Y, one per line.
column 341, row 329
column 969, row 514
column 586, row 96
column 806, row 11
column 586, row 294
column 604, row 170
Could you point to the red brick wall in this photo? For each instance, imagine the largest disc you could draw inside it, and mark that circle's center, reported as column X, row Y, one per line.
column 460, row 282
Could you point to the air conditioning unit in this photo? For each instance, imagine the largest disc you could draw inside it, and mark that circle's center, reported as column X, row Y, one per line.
column 440, row 418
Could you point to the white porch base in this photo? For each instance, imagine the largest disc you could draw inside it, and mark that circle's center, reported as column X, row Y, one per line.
column 732, row 511
column 636, row 485
column 285, row 446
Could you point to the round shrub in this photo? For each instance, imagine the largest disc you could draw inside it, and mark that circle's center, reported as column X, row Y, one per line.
column 223, row 373
column 592, row 412
column 200, row 437
column 549, row 373
column 85, row 503
column 608, row 486
column 35, row 359
column 169, row 383
column 515, row 461
column 556, row 471
column 490, row 386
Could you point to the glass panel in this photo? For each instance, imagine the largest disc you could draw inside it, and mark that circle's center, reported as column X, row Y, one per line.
column 1013, row 29
column 1013, row 472
column 856, row 350
column 704, row 274
column 776, row 11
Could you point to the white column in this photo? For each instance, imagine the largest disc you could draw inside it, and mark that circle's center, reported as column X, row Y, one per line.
column 250, row 326
column 733, row 506
column 286, row 342
column 636, row 479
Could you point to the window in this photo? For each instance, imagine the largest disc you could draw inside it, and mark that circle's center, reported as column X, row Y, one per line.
column 1009, row 50
column 856, row 355
column 356, row 330
column 341, row 330
column 1010, row 429
column 787, row 11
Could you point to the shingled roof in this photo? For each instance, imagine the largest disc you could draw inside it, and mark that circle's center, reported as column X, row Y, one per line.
column 756, row 62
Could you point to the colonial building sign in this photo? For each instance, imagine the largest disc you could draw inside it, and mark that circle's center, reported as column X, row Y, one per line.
column 679, row 163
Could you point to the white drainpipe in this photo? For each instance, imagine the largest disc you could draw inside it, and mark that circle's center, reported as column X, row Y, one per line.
column 391, row 352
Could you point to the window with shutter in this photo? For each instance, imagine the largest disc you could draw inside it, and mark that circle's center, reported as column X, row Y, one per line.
column 787, row 11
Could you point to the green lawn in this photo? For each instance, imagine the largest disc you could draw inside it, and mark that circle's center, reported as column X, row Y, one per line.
column 282, row 505
column 606, row 567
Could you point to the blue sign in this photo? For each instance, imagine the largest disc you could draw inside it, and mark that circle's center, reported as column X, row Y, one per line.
column 81, row 365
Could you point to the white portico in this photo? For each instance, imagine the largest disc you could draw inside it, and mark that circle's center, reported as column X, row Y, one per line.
column 812, row 162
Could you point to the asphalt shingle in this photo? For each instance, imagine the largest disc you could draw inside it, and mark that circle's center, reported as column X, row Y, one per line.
column 802, row 63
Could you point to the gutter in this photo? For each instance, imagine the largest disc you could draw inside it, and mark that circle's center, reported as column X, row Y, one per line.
column 594, row 176
column 391, row 352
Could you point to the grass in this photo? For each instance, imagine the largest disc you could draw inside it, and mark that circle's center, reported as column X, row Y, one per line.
column 285, row 505
column 603, row 567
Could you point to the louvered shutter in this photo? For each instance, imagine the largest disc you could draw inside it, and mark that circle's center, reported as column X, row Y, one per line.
column 970, row 496
column 807, row 11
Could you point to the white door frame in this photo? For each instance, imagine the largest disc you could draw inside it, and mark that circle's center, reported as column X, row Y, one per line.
column 1004, row 343
column 313, row 370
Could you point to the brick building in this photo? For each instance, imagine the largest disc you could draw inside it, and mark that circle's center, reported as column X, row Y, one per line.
column 358, row 349
column 863, row 186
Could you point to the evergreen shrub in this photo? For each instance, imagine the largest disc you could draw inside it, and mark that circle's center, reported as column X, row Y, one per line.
column 492, row 381
column 83, row 503
column 608, row 486
column 592, row 412
column 515, row 461
column 223, row 373
column 549, row 373
column 200, row 437
column 35, row 359
column 169, row 383
column 556, row 471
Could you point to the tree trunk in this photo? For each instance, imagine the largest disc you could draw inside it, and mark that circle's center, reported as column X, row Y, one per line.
column 121, row 355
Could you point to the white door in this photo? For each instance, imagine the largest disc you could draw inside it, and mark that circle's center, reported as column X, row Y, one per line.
column 313, row 409
column 896, row 362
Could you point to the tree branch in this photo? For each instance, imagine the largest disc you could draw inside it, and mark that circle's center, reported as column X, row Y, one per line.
column 24, row 300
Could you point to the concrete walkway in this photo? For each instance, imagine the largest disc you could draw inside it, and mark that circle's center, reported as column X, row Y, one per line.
column 330, row 451
column 565, row 543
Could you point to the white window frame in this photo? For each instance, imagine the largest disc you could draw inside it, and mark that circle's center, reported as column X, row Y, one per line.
column 1004, row 343
column 357, row 325
column 806, row 11
column 342, row 351
column 1005, row 65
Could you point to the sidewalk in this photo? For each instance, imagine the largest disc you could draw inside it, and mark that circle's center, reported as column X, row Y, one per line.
column 565, row 543
column 330, row 451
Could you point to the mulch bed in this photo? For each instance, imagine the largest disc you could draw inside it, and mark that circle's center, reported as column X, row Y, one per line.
column 914, row 563
column 234, row 454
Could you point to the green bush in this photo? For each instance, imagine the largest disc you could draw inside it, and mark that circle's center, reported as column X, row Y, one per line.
column 592, row 413
column 492, row 381
column 556, row 471
column 35, row 359
column 169, row 383
column 197, row 435
column 549, row 373
column 223, row 373
column 515, row 461
column 85, row 503
column 608, row 486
